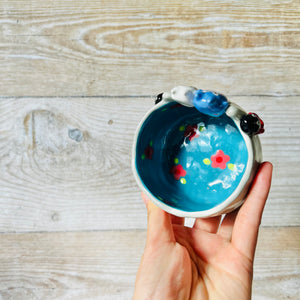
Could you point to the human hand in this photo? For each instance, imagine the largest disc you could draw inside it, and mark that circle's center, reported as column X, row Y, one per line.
column 208, row 261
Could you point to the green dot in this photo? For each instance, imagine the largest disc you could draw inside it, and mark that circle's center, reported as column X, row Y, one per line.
column 176, row 161
column 182, row 128
column 160, row 198
column 231, row 167
column 206, row 161
column 183, row 181
column 164, row 109
column 201, row 128
column 143, row 156
column 151, row 143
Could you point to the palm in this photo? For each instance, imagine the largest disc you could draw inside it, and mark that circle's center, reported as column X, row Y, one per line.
column 212, row 266
column 208, row 261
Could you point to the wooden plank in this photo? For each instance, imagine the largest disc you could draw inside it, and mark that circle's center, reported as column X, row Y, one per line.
column 53, row 180
column 63, row 48
column 102, row 265
column 277, row 264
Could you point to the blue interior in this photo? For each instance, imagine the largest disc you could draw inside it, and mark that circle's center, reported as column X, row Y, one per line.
column 165, row 144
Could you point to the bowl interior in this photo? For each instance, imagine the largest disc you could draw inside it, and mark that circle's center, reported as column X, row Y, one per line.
column 188, row 160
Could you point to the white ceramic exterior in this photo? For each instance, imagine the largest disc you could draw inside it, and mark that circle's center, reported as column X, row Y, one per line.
column 237, row 197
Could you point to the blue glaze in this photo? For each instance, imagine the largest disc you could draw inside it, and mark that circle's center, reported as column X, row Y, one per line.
column 203, row 186
column 210, row 103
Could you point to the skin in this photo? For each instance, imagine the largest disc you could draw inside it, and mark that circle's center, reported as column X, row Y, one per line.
column 210, row 260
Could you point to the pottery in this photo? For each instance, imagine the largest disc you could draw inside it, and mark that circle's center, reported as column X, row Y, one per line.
column 195, row 153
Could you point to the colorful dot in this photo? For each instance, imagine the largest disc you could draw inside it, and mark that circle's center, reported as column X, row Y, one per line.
column 231, row 167
column 160, row 198
column 219, row 159
column 206, row 161
column 164, row 109
column 183, row 181
column 176, row 160
column 151, row 143
column 178, row 171
column 182, row 128
column 201, row 128
column 143, row 156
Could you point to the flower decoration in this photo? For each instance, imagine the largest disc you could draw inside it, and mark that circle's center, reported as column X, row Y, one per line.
column 191, row 132
column 148, row 152
column 219, row 160
column 178, row 172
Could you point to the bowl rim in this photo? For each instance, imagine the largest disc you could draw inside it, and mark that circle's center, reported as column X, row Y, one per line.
column 234, row 112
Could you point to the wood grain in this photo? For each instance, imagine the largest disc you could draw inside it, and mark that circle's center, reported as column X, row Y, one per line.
column 102, row 265
column 51, row 182
column 52, row 48
column 76, row 78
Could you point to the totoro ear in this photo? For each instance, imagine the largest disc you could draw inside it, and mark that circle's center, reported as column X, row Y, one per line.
column 158, row 98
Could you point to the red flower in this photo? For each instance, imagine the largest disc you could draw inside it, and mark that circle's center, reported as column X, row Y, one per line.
column 219, row 160
column 148, row 152
column 176, row 105
column 178, row 171
column 191, row 132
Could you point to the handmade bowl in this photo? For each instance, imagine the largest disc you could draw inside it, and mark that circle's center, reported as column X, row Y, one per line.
column 195, row 154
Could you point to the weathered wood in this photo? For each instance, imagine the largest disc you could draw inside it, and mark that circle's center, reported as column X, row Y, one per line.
column 103, row 265
column 65, row 161
column 277, row 264
column 139, row 47
column 54, row 178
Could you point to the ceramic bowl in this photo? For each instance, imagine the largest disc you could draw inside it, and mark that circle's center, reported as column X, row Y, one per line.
column 195, row 162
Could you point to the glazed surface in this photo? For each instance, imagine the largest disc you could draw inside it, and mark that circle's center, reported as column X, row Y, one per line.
column 188, row 160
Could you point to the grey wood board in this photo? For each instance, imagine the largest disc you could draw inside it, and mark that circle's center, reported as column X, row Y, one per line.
column 50, row 181
column 103, row 265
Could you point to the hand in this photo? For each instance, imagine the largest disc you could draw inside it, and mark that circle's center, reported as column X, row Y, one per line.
column 208, row 261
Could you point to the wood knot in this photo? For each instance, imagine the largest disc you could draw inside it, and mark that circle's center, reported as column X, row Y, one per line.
column 75, row 134
column 55, row 217
column 49, row 132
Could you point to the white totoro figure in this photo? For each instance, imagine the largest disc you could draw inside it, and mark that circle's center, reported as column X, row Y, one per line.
column 181, row 94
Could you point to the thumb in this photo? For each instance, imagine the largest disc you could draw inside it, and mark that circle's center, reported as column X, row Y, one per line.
column 160, row 229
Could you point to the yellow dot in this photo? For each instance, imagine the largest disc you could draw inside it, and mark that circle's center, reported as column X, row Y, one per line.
column 176, row 160
column 182, row 128
column 206, row 161
column 183, row 181
column 231, row 167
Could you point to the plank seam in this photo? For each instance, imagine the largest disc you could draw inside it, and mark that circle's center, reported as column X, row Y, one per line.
column 117, row 230
column 137, row 96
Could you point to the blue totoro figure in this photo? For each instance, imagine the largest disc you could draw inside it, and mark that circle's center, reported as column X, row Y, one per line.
column 210, row 103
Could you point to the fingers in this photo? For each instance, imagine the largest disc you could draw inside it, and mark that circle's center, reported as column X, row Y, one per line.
column 208, row 224
column 177, row 220
column 226, row 227
column 160, row 228
column 245, row 229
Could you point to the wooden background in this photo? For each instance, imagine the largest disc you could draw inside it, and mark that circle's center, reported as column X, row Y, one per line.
column 75, row 79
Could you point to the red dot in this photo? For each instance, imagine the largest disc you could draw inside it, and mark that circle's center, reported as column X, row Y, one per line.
column 219, row 159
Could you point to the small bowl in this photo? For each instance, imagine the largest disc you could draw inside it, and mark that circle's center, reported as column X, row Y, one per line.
column 192, row 162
